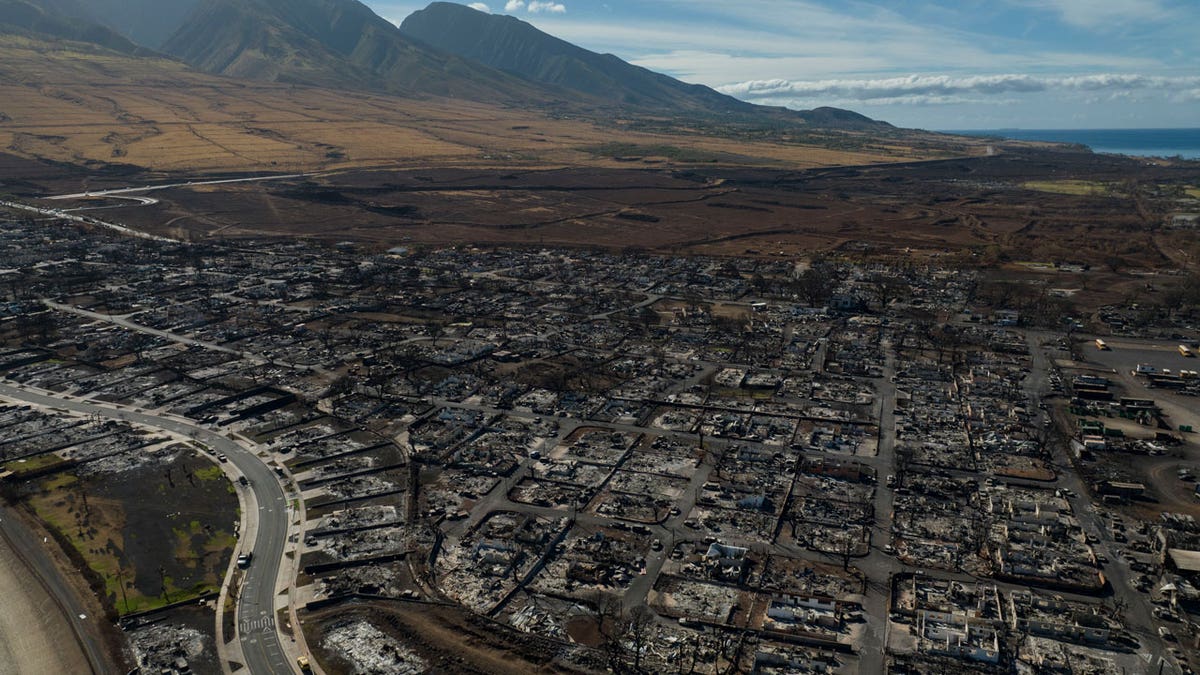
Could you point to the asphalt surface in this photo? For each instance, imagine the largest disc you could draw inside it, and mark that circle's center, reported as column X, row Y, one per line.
column 167, row 186
column 56, row 213
column 256, row 629
column 126, row 323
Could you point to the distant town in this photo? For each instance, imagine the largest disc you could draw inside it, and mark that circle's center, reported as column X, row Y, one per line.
column 287, row 457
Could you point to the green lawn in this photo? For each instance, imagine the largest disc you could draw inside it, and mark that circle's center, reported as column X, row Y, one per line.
column 1068, row 187
column 34, row 463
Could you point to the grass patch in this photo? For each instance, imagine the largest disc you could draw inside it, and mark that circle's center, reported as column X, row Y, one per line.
column 632, row 151
column 209, row 473
column 34, row 463
column 58, row 482
column 1193, row 192
column 1079, row 188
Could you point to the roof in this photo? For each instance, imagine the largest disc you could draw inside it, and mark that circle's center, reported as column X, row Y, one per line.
column 1185, row 561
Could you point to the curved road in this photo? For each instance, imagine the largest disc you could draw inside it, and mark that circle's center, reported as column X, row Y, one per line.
column 255, row 627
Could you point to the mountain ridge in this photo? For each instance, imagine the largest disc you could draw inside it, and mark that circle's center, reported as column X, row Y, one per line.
column 512, row 45
column 55, row 19
column 446, row 49
column 338, row 43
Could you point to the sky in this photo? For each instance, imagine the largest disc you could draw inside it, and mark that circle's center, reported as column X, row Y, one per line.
column 932, row 64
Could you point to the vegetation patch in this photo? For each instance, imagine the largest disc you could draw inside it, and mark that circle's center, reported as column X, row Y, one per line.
column 671, row 152
column 1081, row 188
column 25, row 466
column 209, row 473
column 153, row 536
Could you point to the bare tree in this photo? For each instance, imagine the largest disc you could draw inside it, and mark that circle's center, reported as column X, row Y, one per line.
column 818, row 283
column 639, row 626
column 887, row 287
column 607, row 619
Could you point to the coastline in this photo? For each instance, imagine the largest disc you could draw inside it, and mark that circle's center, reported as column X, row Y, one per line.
column 45, row 625
column 1164, row 143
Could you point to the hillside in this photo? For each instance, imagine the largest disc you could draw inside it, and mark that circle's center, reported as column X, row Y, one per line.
column 446, row 50
column 56, row 19
column 80, row 104
column 511, row 45
column 329, row 43
column 333, row 43
column 144, row 22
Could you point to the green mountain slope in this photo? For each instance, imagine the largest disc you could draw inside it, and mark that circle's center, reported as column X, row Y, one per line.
column 509, row 44
column 446, row 50
column 29, row 18
column 339, row 43
column 512, row 45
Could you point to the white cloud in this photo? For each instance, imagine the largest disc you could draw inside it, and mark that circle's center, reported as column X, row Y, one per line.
column 514, row 5
column 935, row 88
column 539, row 6
column 1103, row 14
column 480, row 7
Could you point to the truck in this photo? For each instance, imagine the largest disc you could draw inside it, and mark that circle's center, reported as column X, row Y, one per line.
column 1187, row 352
column 304, row 665
column 1101, row 345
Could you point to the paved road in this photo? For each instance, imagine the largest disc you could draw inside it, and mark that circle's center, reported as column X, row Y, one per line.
column 878, row 566
column 256, row 627
column 87, row 220
column 125, row 322
column 1137, row 611
column 149, row 188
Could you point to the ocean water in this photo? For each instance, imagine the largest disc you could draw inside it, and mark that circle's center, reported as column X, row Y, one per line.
column 1137, row 142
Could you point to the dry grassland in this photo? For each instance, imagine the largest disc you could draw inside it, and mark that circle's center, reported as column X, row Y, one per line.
column 70, row 104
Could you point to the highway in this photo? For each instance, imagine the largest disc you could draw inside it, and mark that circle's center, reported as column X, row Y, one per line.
column 86, row 220
column 69, row 214
column 266, row 517
column 167, row 186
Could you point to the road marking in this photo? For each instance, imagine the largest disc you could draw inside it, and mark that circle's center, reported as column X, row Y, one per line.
column 259, row 625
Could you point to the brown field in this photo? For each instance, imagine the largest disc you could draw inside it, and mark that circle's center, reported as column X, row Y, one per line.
column 977, row 207
column 74, row 105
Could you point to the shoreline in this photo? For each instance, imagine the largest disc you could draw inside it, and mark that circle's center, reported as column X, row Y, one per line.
column 1140, row 143
column 46, row 626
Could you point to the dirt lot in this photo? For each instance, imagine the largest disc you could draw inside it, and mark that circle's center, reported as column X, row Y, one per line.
column 1158, row 473
column 446, row 638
